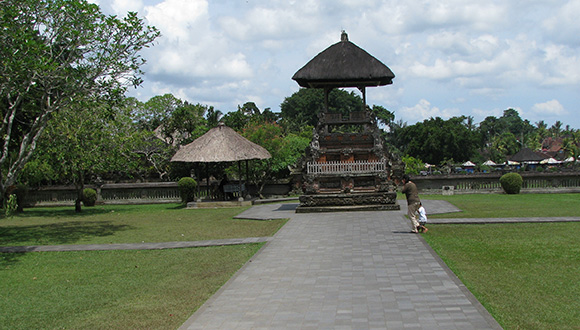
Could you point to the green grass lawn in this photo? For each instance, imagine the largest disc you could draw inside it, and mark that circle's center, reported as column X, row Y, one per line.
column 149, row 289
column 129, row 224
column 118, row 289
column 502, row 205
column 525, row 274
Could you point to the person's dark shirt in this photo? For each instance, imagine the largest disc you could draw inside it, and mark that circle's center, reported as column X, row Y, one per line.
column 410, row 190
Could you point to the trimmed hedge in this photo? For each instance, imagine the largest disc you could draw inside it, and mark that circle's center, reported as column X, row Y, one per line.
column 89, row 197
column 511, row 183
column 187, row 187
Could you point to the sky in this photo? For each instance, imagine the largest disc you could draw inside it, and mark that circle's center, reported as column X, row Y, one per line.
column 450, row 58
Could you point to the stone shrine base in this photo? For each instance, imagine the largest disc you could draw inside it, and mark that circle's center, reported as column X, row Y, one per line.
column 375, row 201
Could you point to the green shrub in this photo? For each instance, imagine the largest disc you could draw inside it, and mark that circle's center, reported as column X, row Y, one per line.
column 187, row 187
column 89, row 197
column 511, row 183
column 11, row 206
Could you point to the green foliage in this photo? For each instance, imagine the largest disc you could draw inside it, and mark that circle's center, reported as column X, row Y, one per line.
column 37, row 171
column 11, row 206
column 285, row 149
column 187, row 189
column 89, row 197
column 413, row 165
column 302, row 108
column 511, row 183
column 59, row 54
column 436, row 139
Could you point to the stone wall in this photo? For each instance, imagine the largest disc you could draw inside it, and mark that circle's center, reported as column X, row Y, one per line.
column 482, row 183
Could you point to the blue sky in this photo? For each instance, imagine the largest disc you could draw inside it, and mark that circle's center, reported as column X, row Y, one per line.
column 450, row 58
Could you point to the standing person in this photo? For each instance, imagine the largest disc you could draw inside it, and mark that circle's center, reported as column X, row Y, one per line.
column 413, row 201
column 422, row 218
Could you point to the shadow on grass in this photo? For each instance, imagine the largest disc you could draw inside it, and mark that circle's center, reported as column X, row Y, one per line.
column 57, row 233
column 69, row 211
column 62, row 212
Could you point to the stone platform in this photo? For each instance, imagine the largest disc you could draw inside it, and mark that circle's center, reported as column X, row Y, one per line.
column 356, row 201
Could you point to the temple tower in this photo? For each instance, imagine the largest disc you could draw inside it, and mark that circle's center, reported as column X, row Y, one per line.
column 347, row 165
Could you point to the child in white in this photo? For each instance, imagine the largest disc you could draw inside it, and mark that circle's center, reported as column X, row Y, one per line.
column 422, row 219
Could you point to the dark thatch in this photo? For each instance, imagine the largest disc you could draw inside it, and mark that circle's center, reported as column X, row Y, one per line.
column 344, row 64
column 526, row 155
column 220, row 144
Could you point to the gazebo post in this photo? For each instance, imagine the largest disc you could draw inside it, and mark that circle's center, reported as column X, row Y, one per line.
column 247, row 173
column 363, row 90
column 207, row 180
column 241, row 198
column 326, row 94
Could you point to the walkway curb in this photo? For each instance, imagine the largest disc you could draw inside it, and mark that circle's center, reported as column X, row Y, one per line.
column 133, row 246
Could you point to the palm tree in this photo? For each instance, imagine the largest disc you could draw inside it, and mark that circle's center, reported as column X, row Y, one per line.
column 213, row 117
column 556, row 129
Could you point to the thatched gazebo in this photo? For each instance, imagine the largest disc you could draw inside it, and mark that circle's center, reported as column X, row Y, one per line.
column 220, row 144
column 344, row 64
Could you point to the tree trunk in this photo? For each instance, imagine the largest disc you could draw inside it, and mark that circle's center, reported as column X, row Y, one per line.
column 80, row 187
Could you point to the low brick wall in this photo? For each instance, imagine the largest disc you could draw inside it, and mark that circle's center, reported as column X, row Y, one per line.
column 133, row 193
column 482, row 183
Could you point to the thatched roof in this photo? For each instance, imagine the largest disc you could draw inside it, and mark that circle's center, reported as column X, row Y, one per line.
column 344, row 64
column 526, row 155
column 220, row 144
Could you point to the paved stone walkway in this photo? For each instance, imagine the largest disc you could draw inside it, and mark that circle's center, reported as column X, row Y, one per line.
column 350, row 270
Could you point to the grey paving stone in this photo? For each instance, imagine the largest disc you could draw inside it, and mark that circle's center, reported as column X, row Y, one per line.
column 357, row 270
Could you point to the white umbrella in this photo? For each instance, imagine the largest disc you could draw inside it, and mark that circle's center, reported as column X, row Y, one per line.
column 468, row 164
column 489, row 163
column 550, row 161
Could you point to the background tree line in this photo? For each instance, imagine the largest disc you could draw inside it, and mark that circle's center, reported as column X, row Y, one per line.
column 66, row 119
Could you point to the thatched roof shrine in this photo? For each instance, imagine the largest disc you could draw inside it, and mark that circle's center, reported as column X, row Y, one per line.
column 343, row 64
column 220, row 144
column 526, row 155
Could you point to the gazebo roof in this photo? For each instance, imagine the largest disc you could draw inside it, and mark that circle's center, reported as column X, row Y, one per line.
column 220, row 144
column 343, row 64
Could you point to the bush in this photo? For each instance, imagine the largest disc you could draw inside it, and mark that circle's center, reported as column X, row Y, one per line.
column 11, row 206
column 187, row 189
column 89, row 197
column 511, row 183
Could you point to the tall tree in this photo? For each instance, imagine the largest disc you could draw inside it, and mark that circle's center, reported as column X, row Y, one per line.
column 80, row 143
column 213, row 117
column 435, row 140
column 285, row 149
column 302, row 108
column 59, row 54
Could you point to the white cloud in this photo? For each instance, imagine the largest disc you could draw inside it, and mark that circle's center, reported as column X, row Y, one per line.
column 549, row 108
column 272, row 21
column 469, row 54
column 423, row 110
column 395, row 17
column 563, row 25
column 179, row 19
column 189, row 50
